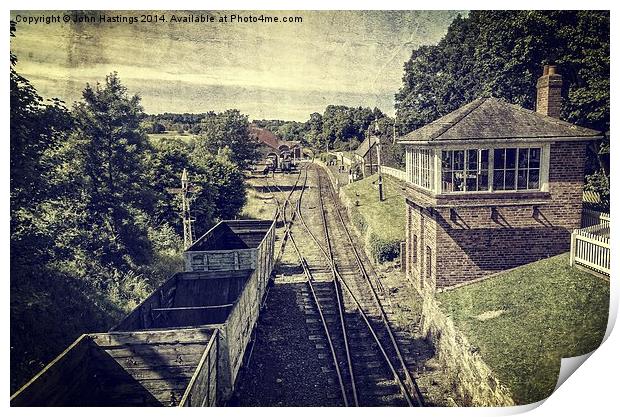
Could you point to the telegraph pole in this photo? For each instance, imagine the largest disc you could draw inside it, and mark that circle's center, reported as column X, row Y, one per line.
column 379, row 161
column 188, row 235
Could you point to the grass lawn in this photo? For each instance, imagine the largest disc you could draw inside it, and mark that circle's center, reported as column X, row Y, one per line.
column 258, row 205
column 525, row 320
column 387, row 219
column 155, row 137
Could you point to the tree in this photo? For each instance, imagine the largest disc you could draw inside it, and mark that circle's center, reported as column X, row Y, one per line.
column 157, row 127
column 166, row 162
column 291, row 131
column 314, row 131
column 220, row 189
column 37, row 128
column 227, row 129
column 106, row 163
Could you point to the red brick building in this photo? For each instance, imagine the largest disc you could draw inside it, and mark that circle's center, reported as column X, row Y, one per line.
column 492, row 186
column 270, row 146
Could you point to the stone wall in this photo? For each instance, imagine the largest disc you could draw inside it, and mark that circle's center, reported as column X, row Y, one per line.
column 473, row 381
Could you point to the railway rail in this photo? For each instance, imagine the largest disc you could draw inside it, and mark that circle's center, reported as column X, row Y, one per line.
column 369, row 365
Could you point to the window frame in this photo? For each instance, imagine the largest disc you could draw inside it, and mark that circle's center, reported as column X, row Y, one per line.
column 420, row 167
column 543, row 169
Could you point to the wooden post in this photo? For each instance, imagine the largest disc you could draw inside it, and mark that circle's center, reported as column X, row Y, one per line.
column 379, row 169
column 573, row 247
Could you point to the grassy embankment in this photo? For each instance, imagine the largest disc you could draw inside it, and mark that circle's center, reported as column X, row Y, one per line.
column 525, row 320
column 259, row 204
column 381, row 223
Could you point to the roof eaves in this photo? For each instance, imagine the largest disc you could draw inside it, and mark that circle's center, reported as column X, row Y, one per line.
column 496, row 139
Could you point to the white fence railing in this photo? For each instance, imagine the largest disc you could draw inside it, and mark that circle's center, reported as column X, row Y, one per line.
column 397, row 173
column 590, row 247
column 592, row 217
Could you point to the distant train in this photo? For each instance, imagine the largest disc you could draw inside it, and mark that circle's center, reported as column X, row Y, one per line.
column 278, row 164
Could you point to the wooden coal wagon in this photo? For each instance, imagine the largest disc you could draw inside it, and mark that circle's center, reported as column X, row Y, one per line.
column 184, row 344
column 175, row 367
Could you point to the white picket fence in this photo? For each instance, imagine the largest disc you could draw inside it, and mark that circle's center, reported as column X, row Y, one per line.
column 396, row 173
column 592, row 217
column 590, row 247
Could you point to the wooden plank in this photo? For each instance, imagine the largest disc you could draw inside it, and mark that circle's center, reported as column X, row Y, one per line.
column 146, row 351
column 594, row 240
column 168, row 336
column 205, row 275
column 592, row 265
column 195, row 387
column 152, row 372
column 154, row 360
column 137, row 318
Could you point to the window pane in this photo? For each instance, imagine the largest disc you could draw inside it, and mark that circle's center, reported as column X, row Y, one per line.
column 510, row 179
column 472, row 159
column 483, row 181
column 459, row 160
column 511, row 158
column 484, row 159
column 522, row 179
column 472, row 181
column 446, row 159
column 457, row 179
column 498, row 158
column 535, row 158
column 498, row 180
column 446, row 180
column 523, row 158
column 534, row 180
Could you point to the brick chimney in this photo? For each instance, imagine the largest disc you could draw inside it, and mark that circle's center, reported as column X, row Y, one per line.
column 549, row 92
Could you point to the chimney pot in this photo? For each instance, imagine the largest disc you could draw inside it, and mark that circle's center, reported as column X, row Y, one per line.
column 549, row 92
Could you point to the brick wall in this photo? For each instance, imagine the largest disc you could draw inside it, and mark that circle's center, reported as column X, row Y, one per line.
column 508, row 230
column 549, row 95
column 421, row 237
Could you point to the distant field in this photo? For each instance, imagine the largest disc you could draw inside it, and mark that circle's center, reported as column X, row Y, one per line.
column 525, row 320
column 155, row 137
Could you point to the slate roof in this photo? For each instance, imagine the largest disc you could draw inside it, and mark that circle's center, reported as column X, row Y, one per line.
column 264, row 136
column 366, row 146
column 268, row 138
column 492, row 118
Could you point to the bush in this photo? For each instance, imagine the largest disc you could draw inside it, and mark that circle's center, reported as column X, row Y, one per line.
column 327, row 157
column 382, row 250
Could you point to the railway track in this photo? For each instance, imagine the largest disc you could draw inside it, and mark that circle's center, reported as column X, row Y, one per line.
column 343, row 305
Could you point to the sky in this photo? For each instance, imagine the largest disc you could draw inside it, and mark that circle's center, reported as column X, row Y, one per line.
column 266, row 70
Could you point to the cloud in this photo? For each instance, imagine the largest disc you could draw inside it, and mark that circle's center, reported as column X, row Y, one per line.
column 284, row 71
